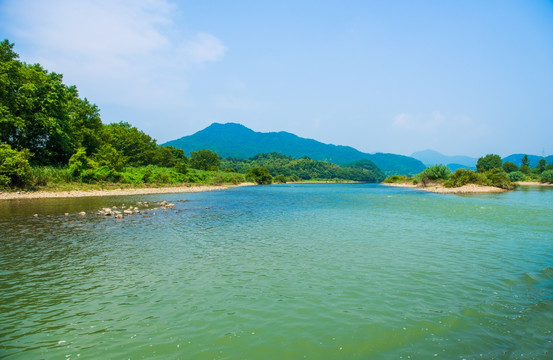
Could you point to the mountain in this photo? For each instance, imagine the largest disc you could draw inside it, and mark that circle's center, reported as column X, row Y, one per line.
column 237, row 141
column 431, row 157
column 517, row 159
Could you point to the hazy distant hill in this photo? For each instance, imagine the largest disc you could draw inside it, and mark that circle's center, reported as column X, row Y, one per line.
column 517, row 159
column 431, row 157
column 238, row 141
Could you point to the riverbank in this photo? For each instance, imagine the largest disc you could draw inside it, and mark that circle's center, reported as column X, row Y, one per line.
column 465, row 189
column 114, row 192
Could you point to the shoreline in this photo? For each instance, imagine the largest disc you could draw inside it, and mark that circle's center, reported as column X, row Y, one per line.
column 465, row 189
column 40, row 194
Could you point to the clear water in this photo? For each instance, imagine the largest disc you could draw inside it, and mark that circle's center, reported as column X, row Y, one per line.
column 281, row 272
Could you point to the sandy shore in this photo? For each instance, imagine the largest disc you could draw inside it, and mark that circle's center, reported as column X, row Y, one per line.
column 114, row 192
column 533, row 183
column 465, row 189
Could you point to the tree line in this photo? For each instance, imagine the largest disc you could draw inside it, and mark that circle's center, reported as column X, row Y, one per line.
column 49, row 135
column 490, row 171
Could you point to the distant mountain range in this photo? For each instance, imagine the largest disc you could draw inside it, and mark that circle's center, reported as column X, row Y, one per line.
column 431, row 157
column 237, row 141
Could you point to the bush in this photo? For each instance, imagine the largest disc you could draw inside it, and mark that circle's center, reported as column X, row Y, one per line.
column 281, row 179
column 260, row 175
column 547, row 176
column 499, row 178
column 465, row 176
column 509, row 167
column 396, row 179
column 437, row 172
column 79, row 163
column 15, row 170
column 517, row 176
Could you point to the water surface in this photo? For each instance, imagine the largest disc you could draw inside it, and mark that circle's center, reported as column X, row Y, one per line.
column 281, row 272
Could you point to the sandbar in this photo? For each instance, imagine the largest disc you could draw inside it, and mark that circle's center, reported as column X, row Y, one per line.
column 114, row 192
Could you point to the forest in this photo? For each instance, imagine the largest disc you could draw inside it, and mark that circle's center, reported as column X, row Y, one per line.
column 50, row 138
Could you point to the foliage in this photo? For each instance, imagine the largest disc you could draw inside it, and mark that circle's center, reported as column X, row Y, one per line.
column 509, row 167
column 494, row 177
column 396, row 179
column 259, row 175
column 15, row 170
column 547, row 176
column 79, row 164
column 465, row 176
column 437, row 172
column 108, row 156
column 39, row 113
column 517, row 176
column 488, row 162
column 281, row 179
column 541, row 166
column 499, row 178
column 204, row 160
column 306, row 168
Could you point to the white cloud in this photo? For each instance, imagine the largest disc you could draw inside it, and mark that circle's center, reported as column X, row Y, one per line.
column 126, row 52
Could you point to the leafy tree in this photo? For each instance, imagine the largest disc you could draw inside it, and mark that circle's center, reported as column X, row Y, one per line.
column 517, row 176
column 260, row 175
column 547, row 176
column 525, row 160
column 204, row 160
column 15, row 170
column 38, row 112
column 488, row 162
column 79, row 164
column 108, row 156
column 509, row 167
column 138, row 148
column 541, row 166
column 281, row 179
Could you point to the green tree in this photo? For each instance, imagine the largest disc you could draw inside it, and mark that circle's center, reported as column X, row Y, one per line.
column 540, row 167
column 204, row 160
column 15, row 170
column 260, row 175
column 38, row 112
column 79, row 164
column 108, row 156
column 525, row 165
column 547, row 176
column 509, row 167
column 138, row 148
column 488, row 162
column 437, row 172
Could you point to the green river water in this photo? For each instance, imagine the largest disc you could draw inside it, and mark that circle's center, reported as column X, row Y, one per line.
column 280, row 272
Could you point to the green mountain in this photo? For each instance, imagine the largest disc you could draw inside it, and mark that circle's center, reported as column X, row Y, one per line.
column 237, row 141
column 431, row 157
column 517, row 159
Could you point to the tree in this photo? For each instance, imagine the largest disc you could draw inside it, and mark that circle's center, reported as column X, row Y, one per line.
column 138, row 148
column 488, row 162
column 39, row 113
column 204, row 160
column 525, row 164
column 509, row 167
column 541, row 166
column 260, row 175
column 15, row 170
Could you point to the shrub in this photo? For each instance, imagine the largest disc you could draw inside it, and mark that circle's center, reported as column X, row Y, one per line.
column 509, row 167
column 260, row 175
column 499, row 178
column 465, row 176
column 517, row 176
column 547, row 176
column 436, row 172
column 281, row 179
column 396, row 179
column 15, row 170
column 79, row 163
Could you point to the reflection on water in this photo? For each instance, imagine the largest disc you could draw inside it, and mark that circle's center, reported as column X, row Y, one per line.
column 282, row 272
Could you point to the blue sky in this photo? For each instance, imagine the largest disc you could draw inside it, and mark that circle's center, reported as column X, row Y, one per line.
column 459, row 77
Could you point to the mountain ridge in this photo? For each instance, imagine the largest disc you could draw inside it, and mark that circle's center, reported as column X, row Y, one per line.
column 238, row 141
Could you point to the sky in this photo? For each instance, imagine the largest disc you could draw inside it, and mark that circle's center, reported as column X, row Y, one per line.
column 465, row 77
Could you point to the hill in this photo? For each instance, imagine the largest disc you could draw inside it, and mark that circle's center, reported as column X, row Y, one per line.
column 431, row 157
column 517, row 159
column 237, row 141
